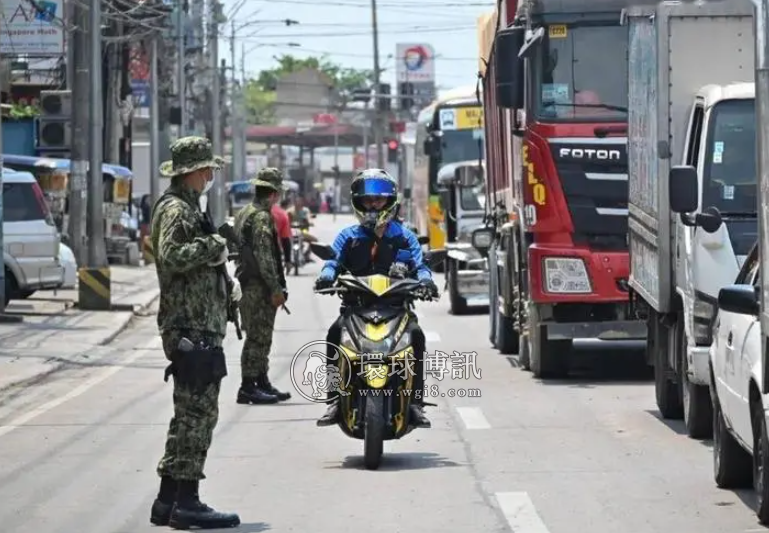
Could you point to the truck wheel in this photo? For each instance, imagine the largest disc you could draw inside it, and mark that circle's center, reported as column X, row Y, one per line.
column 760, row 463
column 11, row 287
column 666, row 391
column 493, row 297
column 507, row 341
column 548, row 359
column 698, row 407
column 731, row 464
column 458, row 304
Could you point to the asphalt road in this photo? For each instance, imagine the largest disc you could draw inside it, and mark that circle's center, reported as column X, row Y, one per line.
column 78, row 450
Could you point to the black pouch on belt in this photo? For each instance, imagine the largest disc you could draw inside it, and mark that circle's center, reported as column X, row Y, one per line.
column 199, row 367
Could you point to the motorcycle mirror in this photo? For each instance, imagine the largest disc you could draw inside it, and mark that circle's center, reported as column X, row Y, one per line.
column 435, row 258
column 323, row 251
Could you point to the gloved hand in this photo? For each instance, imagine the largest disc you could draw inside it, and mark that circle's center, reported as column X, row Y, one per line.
column 237, row 292
column 223, row 255
column 323, row 283
column 430, row 286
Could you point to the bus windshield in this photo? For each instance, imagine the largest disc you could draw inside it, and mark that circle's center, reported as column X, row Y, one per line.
column 729, row 180
column 583, row 74
column 460, row 145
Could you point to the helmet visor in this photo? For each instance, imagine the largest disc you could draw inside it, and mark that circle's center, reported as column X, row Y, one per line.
column 373, row 187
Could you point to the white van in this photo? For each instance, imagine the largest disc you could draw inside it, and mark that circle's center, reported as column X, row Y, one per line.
column 30, row 238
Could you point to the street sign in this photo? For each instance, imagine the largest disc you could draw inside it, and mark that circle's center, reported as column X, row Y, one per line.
column 416, row 63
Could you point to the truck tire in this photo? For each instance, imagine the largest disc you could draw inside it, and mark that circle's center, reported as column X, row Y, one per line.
column 697, row 405
column 731, row 464
column 493, row 296
column 507, row 341
column 665, row 390
column 548, row 359
column 456, row 301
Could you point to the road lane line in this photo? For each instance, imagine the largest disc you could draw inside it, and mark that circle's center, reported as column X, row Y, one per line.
column 432, row 336
column 74, row 393
column 473, row 418
column 520, row 512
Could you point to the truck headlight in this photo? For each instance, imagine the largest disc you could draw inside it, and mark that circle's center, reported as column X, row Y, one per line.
column 566, row 276
column 703, row 314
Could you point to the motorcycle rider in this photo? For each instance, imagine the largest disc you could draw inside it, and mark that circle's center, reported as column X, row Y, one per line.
column 370, row 248
column 300, row 214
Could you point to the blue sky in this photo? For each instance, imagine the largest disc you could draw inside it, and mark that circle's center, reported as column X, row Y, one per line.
column 342, row 29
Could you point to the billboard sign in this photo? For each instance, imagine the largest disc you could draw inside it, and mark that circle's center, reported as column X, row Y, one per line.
column 416, row 63
column 26, row 30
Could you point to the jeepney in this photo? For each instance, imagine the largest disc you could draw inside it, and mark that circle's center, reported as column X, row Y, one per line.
column 462, row 193
column 117, row 181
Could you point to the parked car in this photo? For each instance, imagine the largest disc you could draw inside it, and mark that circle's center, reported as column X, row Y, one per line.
column 740, row 441
column 30, row 238
column 69, row 264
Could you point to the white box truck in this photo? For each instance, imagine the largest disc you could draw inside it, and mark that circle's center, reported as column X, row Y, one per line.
column 692, row 184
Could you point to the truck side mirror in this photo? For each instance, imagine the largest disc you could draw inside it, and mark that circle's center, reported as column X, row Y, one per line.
column 683, row 189
column 481, row 240
column 509, row 67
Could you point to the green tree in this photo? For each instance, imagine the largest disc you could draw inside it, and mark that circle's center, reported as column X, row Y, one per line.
column 260, row 92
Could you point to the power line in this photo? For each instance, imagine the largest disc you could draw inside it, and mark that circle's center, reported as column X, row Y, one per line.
column 422, row 29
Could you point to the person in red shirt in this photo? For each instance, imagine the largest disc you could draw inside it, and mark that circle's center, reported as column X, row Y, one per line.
column 283, row 227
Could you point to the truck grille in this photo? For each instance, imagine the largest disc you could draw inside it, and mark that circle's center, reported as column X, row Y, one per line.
column 593, row 175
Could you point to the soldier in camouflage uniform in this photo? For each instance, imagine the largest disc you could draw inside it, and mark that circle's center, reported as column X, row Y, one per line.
column 194, row 296
column 264, row 288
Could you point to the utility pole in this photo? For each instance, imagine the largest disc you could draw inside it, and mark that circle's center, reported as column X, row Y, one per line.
column 81, row 109
column 154, row 121
column 216, row 110
column 377, row 89
column 181, row 62
column 96, row 245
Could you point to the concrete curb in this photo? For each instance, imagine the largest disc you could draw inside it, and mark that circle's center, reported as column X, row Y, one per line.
column 62, row 364
column 125, row 323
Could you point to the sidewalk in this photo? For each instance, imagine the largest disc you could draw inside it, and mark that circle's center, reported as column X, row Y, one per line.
column 54, row 332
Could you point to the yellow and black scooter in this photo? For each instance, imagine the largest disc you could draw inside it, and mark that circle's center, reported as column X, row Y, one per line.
column 376, row 362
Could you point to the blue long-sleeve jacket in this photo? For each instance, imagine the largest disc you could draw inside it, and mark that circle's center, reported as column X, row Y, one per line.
column 355, row 249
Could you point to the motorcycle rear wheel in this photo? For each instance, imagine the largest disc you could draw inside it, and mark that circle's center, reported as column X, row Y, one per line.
column 373, row 442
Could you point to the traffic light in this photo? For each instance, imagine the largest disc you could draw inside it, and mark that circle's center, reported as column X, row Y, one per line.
column 406, row 91
column 392, row 151
column 383, row 97
column 54, row 129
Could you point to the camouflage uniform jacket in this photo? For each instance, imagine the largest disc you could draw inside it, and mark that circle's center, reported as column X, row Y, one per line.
column 254, row 225
column 193, row 295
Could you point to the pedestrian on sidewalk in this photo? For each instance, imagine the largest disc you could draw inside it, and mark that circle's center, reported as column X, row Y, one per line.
column 260, row 272
column 283, row 227
column 194, row 298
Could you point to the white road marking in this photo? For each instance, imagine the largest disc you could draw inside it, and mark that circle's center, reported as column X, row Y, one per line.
column 74, row 393
column 432, row 336
column 520, row 512
column 473, row 418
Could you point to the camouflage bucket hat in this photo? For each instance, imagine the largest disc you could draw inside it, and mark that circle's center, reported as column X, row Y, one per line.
column 269, row 177
column 189, row 154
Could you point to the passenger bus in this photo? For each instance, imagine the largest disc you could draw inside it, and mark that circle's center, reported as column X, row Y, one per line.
column 449, row 130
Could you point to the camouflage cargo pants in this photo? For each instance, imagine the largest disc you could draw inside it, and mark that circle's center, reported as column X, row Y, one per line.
column 258, row 316
column 194, row 420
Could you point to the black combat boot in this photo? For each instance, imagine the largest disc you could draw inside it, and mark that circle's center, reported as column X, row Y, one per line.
column 331, row 416
column 164, row 503
column 190, row 512
column 249, row 393
column 263, row 383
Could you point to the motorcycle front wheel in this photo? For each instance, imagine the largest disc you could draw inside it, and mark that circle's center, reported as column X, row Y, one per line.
column 373, row 442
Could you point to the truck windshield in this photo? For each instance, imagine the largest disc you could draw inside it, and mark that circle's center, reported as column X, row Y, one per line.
column 473, row 198
column 584, row 74
column 729, row 180
column 460, row 145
